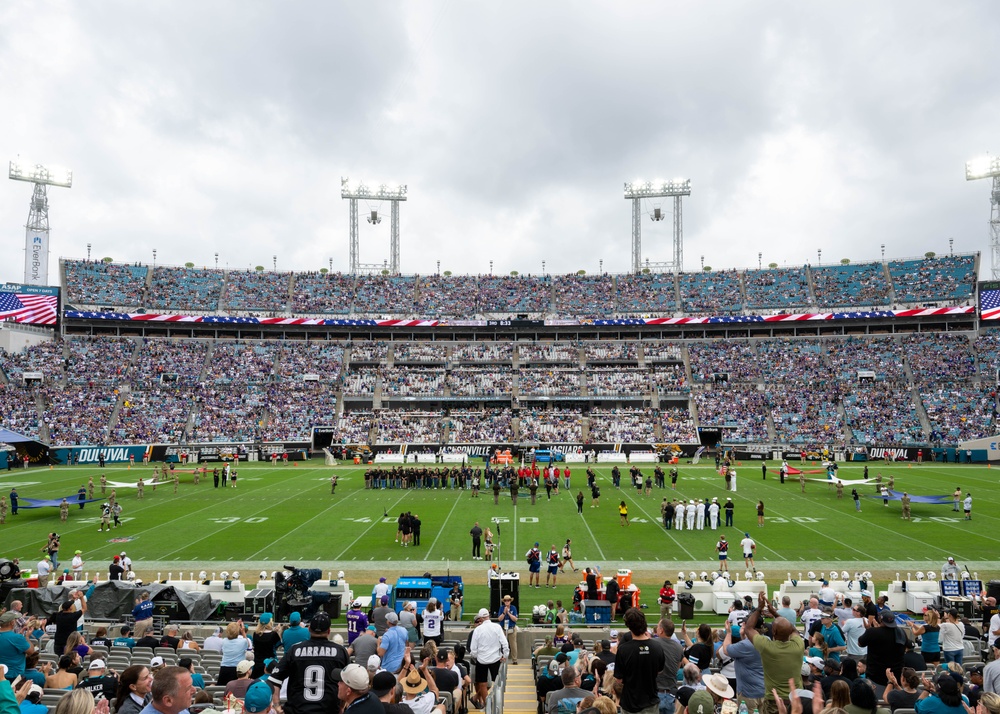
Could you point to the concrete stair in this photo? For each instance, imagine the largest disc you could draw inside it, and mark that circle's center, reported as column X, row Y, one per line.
column 519, row 693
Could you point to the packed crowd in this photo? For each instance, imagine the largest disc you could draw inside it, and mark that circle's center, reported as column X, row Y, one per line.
column 420, row 352
column 412, row 382
column 483, row 382
column 178, row 362
column 229, row 414
column 410, row 427
column 296, row 408
column 18, row 410
column 323, row 293
column 670, row 377
column 622, row 425
column 947, row 277
column 862, row 284
column 548, row 382
column 242, row 363
column 676, row 424
column 369, row 351
column 560, row 425
column 185, row 289
column 325, row 360
column 941, row 279
column 776, row 288
column 96, row 361
column 940, row 358
column 157, row 415
column 606, row 382
column 717, row 293
column 78, row 415
column 807, row 414
column 105, row 284
column 548, row 353
column 742, row 407
column 882, row 415
column 645, row 293
column 354, row 426
column 661, row 352
column 585, row 296
column 257, row 290
column 611, row 351
column 737, row 359
column 471, row 426
column 483, row 352
column 881, row 355
column 958, row 411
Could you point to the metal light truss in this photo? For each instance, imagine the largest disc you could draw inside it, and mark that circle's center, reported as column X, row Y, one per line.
column 394, row 193
column 638, row 190
column 981, row 168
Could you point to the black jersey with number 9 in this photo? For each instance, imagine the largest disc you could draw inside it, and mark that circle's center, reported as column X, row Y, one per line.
column 309, row 666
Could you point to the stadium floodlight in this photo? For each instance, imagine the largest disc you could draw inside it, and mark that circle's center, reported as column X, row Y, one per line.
column 638, row 190
column 353, row 191
column 36, row 238
column 38, row 173
column 981, row 168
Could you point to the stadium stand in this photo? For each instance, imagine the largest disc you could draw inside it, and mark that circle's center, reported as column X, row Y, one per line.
column 777, row 288
column 940, row 279
column 100, row 283
column 853, row 285
column 257, row 291
column 717, row 293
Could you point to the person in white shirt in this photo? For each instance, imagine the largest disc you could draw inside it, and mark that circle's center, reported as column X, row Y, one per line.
column 844, row 613
column 76, row 565
column 679, row 516
column 381, row 589
column 809, row 613
column 749, row 546
column 43, row 569
column 713, row 514
column 433, row 617
column 732, row 479
column 690, row 513
column 126, row 562
column 853, row 628
column 213, row 643
column 827, row 595
column 949, row 571
column 489, row 648
column 700, row 516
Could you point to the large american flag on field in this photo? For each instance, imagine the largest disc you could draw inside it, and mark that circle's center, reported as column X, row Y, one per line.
column 989, row 304
column 30, row 309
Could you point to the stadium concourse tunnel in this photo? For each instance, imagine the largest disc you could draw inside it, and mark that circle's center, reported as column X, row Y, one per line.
column 112, row 599
column 21, row 447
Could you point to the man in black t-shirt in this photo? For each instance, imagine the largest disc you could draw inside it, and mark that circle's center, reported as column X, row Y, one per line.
column 309, row 667
column 637, row 662
column 447, row 679
column 98, row 682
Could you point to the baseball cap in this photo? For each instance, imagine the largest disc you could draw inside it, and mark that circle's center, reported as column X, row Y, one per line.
column 320, row 622
column 827, row 614
column 614, row 634
column 816, row 662
column 536, row 543
column 996, row 643
column 257, row 698
column 701, row 702
column 354, row 676
column 78, row 552
column 35, row 689
column 974, row 669
column 606, row 644
column 265, row 618
column 371, row 628
column 295, row 618
column 97, row 664
column 384, row 600
column 381, row 580
column 866, row 593
column 483, row 614
column 392, row 618
column 156, row 662
column 7, row 617
column 244, row 666
column 888, row 619
column 374, row 662
column 383, row 683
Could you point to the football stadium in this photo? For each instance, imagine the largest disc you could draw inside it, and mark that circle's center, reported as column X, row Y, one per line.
column 493, row 488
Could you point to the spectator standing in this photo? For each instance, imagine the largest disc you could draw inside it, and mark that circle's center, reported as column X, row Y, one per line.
column 310, row 668
column 142, row 613
column 666, row 678
column 13, row 646
column 638, row 662
column 172, row 690
column 488, row 646
column 781, row 656
column 886, row 645
column 234, row 649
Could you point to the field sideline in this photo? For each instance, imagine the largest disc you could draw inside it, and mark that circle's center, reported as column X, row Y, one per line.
column 286, row 514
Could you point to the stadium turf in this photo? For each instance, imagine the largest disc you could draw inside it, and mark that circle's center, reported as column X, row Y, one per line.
column 286, row 514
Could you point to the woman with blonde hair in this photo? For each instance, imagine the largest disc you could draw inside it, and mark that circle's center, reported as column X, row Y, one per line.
column 234, row 650
column 79, row 701
column 930, row 636
column 76, row 643
column 989, row 703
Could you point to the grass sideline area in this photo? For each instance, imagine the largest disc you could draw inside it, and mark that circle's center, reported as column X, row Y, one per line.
column 286, row 514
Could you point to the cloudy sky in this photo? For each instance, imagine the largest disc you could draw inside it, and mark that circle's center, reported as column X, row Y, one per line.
column 194, row 128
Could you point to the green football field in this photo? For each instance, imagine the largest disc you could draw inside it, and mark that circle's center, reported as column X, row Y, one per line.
column 287, row 515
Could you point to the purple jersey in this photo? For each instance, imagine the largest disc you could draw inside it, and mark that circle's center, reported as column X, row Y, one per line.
column 356, row 624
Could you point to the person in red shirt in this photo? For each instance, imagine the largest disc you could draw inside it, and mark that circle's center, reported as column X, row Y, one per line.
column 565, row 476
column 667, row 596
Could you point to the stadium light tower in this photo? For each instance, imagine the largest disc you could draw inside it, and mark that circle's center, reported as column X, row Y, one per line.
column 989, row 167
column 638, row 190
column 394, row 193
column 36, row 239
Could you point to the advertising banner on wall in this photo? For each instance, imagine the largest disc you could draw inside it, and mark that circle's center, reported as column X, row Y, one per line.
column 92, row 454
column 36, row 257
